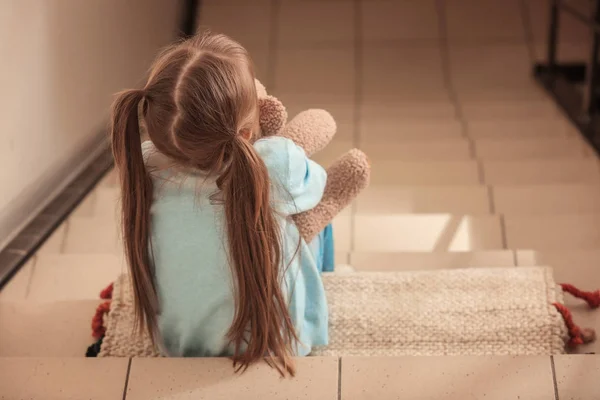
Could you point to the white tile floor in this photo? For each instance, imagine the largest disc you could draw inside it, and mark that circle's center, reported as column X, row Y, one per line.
column 472, row 166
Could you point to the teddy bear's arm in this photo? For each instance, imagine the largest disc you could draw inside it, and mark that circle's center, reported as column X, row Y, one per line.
column 311, row 129
column 345, row 179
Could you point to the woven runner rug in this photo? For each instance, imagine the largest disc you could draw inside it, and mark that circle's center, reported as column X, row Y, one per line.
column 478, row 311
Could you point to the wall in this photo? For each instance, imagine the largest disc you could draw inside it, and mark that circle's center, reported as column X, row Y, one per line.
column 61, row 62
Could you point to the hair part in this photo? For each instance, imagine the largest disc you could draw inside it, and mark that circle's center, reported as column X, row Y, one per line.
column 199, row 99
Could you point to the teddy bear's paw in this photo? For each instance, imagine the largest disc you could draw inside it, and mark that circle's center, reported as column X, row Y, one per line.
column 347, row 176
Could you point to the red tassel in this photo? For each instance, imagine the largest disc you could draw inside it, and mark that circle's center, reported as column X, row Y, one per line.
column 98, row 329
column 106, row 293
column 592, row 298
column 577, row 335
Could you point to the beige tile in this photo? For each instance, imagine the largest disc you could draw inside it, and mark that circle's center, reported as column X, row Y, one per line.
column 316, row 378
column 484, row 21
column 260, row 56
column 54, row 244
column 398, row 111
column 73, row 276
column 541, row 171
column 247, row 22
column 373, row 129
column 571, row 29
column 342, row 258
column 63, row 378
column 388, row 20
column 543, row 232
column 321, row 72
column 577, row 376
column 430, row 233
column 110, row 179
column 527, row 148
column 86, row 207
column 93, row 235
column 449, row 378
column 527, row 90
column 408, row 73
column 342, row 233
column 378, row 199
column 547, row 199
column 333, row 151
column 449, row 149
column 108, row 203
column 58, row 329
column 520, row 128
column 579, row 268
column 567, row 52
column 341, row 108
column 17, row 288
column 424, row 173
column 377, row 261
column 329, row 22
column 478, row 110
column 491, row 66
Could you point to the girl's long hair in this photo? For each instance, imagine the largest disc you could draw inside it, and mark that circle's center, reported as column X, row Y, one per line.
column 199, row 105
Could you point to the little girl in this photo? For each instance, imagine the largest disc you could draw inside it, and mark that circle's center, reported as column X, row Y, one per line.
column 218, row 267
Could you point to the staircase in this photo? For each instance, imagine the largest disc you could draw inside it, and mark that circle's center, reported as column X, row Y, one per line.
column 473, row 166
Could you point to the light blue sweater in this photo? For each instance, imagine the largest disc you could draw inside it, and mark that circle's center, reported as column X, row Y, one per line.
column 189, row 246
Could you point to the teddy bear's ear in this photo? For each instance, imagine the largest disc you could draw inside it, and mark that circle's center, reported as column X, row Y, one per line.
column 261, row 91
column 272, row 115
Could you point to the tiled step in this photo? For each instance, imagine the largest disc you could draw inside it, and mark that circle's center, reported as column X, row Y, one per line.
column 427, row 233
column 419, row 150
column 519, row 128
column 508, row 149
column 558, row 232
column 380, row 130
column 405, row 261
column 457, row 378
column 510, row 110
column 406, row 173
column 93, row 235
column 546, row 199
column 452, row 378
column 63, row 378
column 48, row 329
column 73, row 277
column 389, row 199
column 541, row 171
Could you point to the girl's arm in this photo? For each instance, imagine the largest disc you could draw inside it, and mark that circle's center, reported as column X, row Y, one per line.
column 298, row 183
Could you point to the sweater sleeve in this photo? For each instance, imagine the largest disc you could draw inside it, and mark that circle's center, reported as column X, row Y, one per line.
column 297, row 182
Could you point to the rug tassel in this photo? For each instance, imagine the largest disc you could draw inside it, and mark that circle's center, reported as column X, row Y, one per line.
column 98, row 329
column 592, row 298
column 577, row 336
column 107, row 293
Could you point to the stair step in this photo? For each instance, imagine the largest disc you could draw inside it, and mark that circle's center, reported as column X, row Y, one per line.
column 48, row 329
column 412, row 173
column 388, row 199
column 520, row 128
column 73, row 277
column 396, row 261
column 541, row 171
column 542, row 232
column 427, row 233
column 63, row 378
column 512, row 149
column 546, row 199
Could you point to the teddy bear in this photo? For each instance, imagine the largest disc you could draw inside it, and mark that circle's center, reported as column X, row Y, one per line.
column 312, row 130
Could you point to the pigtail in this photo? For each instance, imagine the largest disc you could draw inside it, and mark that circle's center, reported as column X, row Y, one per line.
column 136, row 191
column 261, row 321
